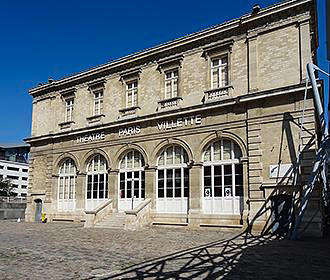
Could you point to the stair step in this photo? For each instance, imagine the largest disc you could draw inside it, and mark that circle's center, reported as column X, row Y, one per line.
column 112, row 221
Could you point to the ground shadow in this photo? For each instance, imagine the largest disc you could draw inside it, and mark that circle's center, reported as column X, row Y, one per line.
column 242, row 257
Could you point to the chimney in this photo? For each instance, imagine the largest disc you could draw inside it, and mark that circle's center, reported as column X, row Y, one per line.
column 255, row 9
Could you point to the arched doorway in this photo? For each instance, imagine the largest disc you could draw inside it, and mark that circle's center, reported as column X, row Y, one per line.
column 96, row 182
column 38, row 210
column 131, row 181
column 222, row 178
column 172, row 180
column 67, row 185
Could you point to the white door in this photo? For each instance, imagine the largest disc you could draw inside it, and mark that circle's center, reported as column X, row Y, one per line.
column 131, row 190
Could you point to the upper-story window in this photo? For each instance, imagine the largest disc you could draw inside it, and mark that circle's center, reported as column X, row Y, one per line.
column 98, row 102
column 171, row 83
column 131, row 93
column 69, row 109
column 219, row 72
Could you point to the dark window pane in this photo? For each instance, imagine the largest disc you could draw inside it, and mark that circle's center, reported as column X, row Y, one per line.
column 89, row 178
column 106, row 186
column 178, row 173
column 217, row 170
column 160, row 174
column 169, row 192
column 217, row 181
column 207, row 170
column 101, row 194
column 89, row 187
column 129, row 175
column 239, row 179
column 228, row 180
column 122, row 176
column 177, row 182
column 239, row 168
column 217, row 192
column 207, row 181
column 160, row 193
column 143, row 175
column 160, row 184
column 186, row 192
column 239, row 191
column 129, row 189
column 94, row 193
column 136, row 175
column 186, row 178
column 122, row 189
column 136, row 189
column 227, row 169
column 178, row 192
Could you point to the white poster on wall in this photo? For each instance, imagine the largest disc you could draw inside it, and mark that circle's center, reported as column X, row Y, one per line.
column 280, row 170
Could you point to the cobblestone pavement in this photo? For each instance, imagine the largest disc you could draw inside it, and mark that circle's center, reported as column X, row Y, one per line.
column 69, row 251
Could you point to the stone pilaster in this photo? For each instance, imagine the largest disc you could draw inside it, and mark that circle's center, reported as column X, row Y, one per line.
column 80, row 191
column 150, row 185
column 304, row 47
column 113, row 188
column 195, row 194
column 256, row 195
column 252, row 42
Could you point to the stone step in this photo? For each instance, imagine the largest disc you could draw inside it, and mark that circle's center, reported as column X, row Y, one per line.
column 112, row 221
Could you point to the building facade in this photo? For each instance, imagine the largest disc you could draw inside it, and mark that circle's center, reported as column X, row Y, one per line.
column 14, row 167
column 204, row 128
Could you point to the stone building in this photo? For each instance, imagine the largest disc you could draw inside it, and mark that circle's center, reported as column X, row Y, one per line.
column 200, row 131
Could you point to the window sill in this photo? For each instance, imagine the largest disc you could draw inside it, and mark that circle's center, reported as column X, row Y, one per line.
column 95, row 118
column 170, row 102
column 130, row 112
column 64, row 125
column 217, row 94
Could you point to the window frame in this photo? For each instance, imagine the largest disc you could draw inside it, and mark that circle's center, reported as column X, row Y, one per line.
column 172, row 80
column 66, row 185
column 98, row 100
column 133, row 100
column 212, row 163
column 219, row 68
column 97, row 172
column 129, row 173
column 170, row 168
column 69, row 109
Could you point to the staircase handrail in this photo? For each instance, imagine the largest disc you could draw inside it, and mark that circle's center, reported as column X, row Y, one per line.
column 100, row 207
column 94, row 216
column 139, row 217
column 138, row 208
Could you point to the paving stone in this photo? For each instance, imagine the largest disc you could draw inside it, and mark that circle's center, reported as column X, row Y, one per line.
column 69, row 251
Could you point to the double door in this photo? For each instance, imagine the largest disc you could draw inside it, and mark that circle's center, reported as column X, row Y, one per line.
column 131, row 189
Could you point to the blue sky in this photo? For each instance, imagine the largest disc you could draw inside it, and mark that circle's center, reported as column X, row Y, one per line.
column 42, row 39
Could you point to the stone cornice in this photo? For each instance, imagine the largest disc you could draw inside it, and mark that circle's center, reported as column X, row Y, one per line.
column 157, row 50
column 169, row 114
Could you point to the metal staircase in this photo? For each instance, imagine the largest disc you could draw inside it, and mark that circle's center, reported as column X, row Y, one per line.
column 319, row 175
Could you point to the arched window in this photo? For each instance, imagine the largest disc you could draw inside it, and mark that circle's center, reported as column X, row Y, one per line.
column 97, row 181
column 223, row 177
column 131, row 180
column 173, row 180
column 67, row 185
